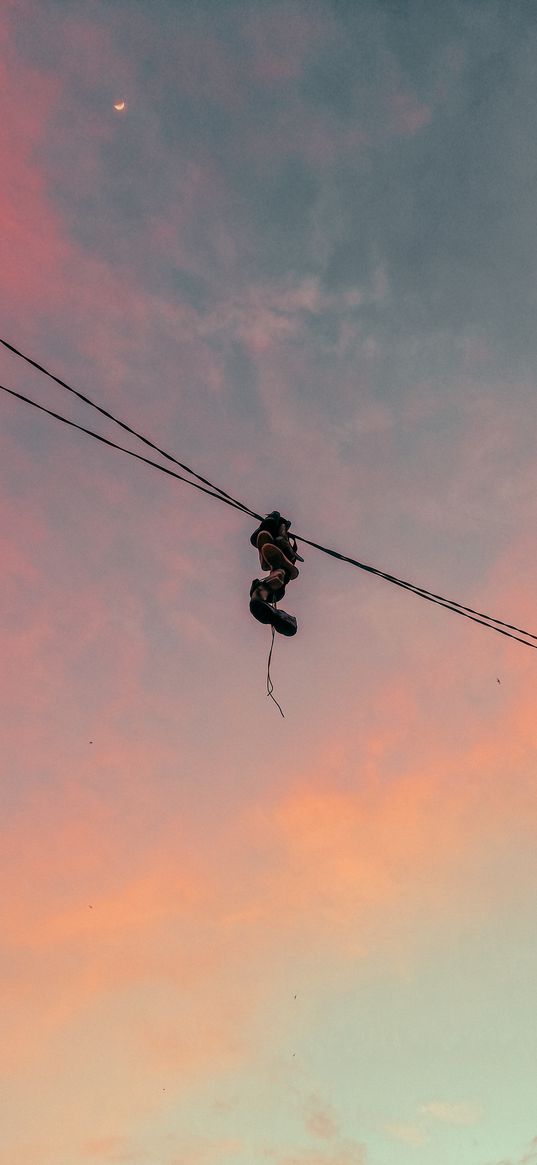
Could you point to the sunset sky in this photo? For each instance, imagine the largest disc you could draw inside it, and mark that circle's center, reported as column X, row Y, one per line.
column 303, row 258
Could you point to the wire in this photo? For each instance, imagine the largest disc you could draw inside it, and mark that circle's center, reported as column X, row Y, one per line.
column 123, row 425
column 450, row 604
column 113, row 445
column 498, row 625
column 216, row 489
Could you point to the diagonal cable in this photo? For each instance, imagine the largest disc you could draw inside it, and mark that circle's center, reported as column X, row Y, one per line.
column 498, row 625
column 460, row 608
column 113, row 445
column 123, row 425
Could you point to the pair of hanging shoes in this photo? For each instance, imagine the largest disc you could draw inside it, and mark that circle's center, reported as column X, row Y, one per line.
column 265, row 613
column 291, row 552
column 272, row 557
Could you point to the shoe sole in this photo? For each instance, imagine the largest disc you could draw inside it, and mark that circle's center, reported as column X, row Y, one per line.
column 275, row 558
column 284, row 627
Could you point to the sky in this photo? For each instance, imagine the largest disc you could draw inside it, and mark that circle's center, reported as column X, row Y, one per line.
column 302, row 258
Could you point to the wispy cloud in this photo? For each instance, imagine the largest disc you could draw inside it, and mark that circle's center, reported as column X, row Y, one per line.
column 529, row 1156
column 320, row 1118
column 302, row 261
column 409, row 1134
column 344, row 1153
column 460, row 1113
column 112, row 1149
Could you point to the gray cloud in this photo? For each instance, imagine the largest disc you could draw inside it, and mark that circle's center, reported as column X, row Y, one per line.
column 391, row 168
column 437, row 186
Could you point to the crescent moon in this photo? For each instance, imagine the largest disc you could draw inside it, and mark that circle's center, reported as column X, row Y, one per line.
column 120, row 105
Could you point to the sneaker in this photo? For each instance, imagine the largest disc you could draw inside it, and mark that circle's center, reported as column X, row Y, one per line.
column 261, row 610
column 284, row 623
column 265, row 613
column 290, row 552
column 276, row 560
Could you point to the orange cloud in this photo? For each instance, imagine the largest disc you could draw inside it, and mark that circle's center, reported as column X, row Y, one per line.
column 408, row 1134
column 344, row 1153
column 32, row 247
column 320, row 1118
column 112, row 1149
column 461, row 1113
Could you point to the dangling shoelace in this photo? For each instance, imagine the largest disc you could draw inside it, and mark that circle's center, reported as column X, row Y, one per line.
column 270, row 685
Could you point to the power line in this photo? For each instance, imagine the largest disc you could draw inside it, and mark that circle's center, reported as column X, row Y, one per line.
column 241, row 505
column 498, row 625
column 105, row 440
column 450, row 604
column 123, row 425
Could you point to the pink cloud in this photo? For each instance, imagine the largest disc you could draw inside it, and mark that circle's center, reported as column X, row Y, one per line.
column 345, row 1153
column 408, row 1134
column 320, row 1118
column 316, row 136
column 112, row 1149
column 32, row 249
column 202, row 1150
column 283, row 37
column 408, row 116
column 138, row 873
column 459, row 1113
